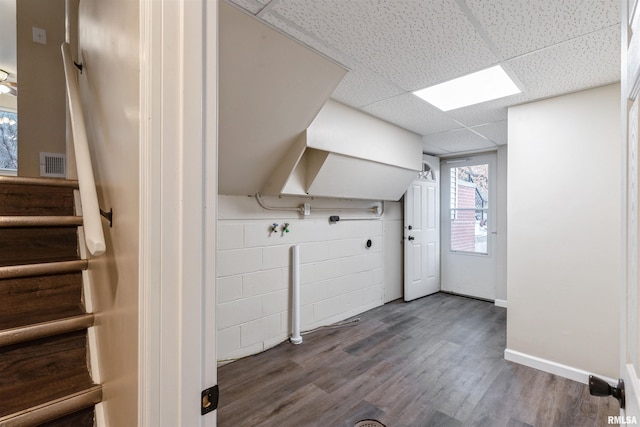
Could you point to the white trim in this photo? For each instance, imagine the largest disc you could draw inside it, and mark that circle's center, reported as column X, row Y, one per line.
column 632, row 387
column 501, row 303
column 8, row 172
column 149, row 249
column 551, row 367
column 210, row 156
column 101, row 415
column 177, row 198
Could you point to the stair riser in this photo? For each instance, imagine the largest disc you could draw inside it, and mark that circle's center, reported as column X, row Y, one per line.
column 84, row 418
column 30, row 300
column 39, row 371
column 35, row 200
column 32, row 245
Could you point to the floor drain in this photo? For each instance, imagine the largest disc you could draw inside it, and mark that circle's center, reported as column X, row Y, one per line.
column 369, row 423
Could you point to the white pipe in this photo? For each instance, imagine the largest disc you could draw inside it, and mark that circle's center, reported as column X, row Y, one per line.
column 296, row 338
column 93, row 233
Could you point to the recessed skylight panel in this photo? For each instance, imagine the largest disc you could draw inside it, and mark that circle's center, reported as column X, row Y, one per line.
column 482, row 86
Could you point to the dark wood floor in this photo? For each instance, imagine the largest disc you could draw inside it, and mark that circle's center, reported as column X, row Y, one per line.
column 437, row 361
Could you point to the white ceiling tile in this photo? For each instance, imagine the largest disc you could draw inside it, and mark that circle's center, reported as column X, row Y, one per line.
column 410, row 112
column 486, row 112
column 518, row 27
column 588, row 61
column 496, row 132
column 252, row 6
column 392, row 47
column 362, row 87
column 432, row 150
column 458, row 141
column 412, row 43
column 305, row 37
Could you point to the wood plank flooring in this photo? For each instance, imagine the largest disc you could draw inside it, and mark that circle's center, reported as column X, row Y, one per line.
column 437, row 361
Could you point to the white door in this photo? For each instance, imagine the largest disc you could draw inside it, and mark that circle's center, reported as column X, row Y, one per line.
column 629, row 305
column 422, row 233
column 468, row 255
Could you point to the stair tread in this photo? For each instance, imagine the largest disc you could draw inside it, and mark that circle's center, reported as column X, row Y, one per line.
column 39, row 220
column 38, row 372
column 43, row 316
column 42, row 268
column 52, row 182
column 52, row 328
column 8, row 262
column 74, row 409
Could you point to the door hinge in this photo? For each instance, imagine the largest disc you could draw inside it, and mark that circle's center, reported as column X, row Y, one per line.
column 209, row 400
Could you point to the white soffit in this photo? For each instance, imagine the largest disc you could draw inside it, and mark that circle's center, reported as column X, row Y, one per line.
column 266, row 100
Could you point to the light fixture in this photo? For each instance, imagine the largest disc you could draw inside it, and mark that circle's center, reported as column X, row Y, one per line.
column 8, row 89
column 486, row 85
column 4, row 75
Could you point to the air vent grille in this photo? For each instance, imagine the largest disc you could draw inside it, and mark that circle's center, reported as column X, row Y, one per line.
column 53, row 165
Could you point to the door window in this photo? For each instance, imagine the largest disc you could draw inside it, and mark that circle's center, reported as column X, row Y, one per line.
column 469, row 208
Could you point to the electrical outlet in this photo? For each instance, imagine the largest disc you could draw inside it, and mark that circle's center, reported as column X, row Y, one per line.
column 39, row 35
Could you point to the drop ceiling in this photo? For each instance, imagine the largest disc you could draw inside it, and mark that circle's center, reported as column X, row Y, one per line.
column 393, row 47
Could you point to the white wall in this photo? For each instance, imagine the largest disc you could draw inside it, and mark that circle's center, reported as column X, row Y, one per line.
column 393, row 251
column 109, row 41
column 564, row 236
column 339, row 276
column 41, row 100
column 501, row 223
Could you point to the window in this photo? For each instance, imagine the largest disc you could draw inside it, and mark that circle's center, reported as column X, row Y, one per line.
column 469, row 208
column 8, row 141
column 427, row 173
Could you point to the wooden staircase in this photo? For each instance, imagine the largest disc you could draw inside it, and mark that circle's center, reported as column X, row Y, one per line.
column 45, row 375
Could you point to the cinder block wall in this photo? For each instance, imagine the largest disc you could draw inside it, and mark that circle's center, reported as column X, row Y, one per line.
column 340, row 277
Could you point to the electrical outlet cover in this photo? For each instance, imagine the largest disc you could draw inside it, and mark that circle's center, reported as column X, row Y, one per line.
column 39, row 35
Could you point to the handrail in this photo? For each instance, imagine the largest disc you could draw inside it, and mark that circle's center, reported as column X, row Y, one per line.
column 94, row 236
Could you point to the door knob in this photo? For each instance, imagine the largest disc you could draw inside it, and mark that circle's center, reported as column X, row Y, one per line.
column 411, row 238
column 410, row 227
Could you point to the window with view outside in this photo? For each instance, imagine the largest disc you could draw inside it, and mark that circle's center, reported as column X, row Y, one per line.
column 469, row 208
column 8, row 140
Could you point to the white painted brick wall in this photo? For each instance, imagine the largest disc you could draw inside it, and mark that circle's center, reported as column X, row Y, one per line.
column 340, row 276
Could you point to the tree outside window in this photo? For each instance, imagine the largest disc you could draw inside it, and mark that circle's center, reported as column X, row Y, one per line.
column 8, row 140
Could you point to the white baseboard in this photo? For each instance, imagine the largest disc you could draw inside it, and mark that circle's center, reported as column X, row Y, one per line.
column 501, row 303
column 551, row 367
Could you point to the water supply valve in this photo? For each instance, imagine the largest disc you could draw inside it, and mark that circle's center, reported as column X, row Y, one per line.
column 285, row 228
column 273, row 228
